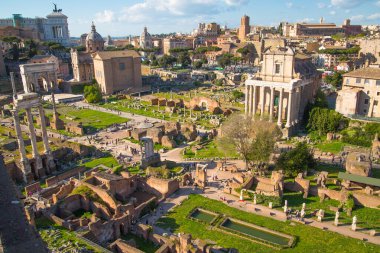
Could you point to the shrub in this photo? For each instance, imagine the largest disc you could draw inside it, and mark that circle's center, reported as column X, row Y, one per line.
column 92, row 93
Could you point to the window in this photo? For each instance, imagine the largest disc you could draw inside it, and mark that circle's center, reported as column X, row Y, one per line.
column 378, row 93
column 367, row 92
column 121, row 66
column 378, row 82
column 358, row 80
column 375, row 103
column 366, row 81
column 365, row 110
column 348, row 81
column 366, row 101
column 278, row 68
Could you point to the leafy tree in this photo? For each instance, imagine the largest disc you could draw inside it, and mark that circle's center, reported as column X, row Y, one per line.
column 166, row 60
column 202, row 50
column 92, row 93
column 324, row 120
column 198, row 64
column 248, row 137
column 225, row 60
column 129, row 47
column 32, row 47
column 237, row 94
column 184, row 59
column 180, row 50
column 297, row 160
column 319, row 101
column 336, row 79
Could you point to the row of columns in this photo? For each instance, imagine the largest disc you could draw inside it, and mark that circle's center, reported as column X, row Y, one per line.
column 255, row 94
column 24, row 160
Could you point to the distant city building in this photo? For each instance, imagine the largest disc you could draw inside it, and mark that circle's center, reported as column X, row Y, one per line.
column 360, row 94
column 282, row 89
column 206, row 32
column 94, row 41
column 146, row 39
column 244, row 28
column 319, row 29
column 109, row 41
column 82, row 63
column 83, row 39
column 118, row 71
column 173, row 43
column 52, row 28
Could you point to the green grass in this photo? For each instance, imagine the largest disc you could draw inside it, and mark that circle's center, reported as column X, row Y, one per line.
column 92, row 120
column 309, row 239
column 81, row 213
column 367, row 217
column 209, row 150
column 334, row 147
column 146, row 246
column 108, row 161
column 62, row 236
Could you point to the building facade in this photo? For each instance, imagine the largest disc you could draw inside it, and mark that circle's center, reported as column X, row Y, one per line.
column 3, row 72
column 52, row 28
column 319, row 29
column 173, row 43
column 146, row 39
column 244, row 28
column 360, row 94
column 280, row 92
column 82, row 62
column 118, row 71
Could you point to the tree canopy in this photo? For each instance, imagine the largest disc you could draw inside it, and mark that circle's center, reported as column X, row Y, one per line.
column 324, row 120
column 92, row 93
column 297, row 160
column 253, row 139
column 166, row 60
column 335, row 79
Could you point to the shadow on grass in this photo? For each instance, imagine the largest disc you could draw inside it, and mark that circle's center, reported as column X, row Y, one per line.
column 167, row 223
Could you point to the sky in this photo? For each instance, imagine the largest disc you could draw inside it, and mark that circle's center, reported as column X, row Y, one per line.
column 125, row 17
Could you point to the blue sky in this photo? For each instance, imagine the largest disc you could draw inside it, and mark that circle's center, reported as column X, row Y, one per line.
column 124, row 17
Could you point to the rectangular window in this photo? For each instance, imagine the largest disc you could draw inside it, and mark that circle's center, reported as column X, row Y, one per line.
column 378, row 82
column 378, row 93
column 121, row 66
column 375, row 103
column 366, row 81
column 367, row 92
column 348, row 81
column 358, row 80
column 366, row 101
column 278, row 68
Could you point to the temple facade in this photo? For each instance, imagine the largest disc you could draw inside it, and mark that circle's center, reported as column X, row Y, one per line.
column 281, row 90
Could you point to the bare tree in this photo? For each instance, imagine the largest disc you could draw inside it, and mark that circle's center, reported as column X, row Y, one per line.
column 254, row 140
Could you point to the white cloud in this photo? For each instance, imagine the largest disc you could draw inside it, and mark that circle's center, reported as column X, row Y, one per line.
column 289, row 4
column 105, row 16
column 345, row 4
column 374, row 16
column 306, row 20
column 321, row 5
column 148, row 10
column 378, row 3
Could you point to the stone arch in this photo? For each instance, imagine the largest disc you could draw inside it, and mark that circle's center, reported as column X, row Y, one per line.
column 38, row 77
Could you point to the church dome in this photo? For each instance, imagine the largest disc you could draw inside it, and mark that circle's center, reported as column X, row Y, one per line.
column 94, row 35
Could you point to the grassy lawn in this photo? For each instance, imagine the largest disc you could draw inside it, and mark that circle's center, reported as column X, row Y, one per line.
column 332, row 146
column 309, row 239
column 56, row 236
column 108, row 161
column 367, row 217
column 210, row 150
column 92, row 120
column 146, row 246
column 158, row 112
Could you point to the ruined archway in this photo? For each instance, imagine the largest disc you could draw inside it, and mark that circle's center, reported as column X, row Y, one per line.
column 39, row 77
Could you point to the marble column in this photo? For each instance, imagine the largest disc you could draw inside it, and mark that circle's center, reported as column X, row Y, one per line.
column 33, row 139
column 280, row 107
column 249, row 100
column 254, row 102
column 43, row 129
column 271, row 105
column 246, row 100
column 21, row 146
column 262, row 101
column 295, row 106
column 289, row 112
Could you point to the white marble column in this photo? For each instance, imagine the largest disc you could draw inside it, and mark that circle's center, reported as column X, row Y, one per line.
column 262, row 101
column 21, row 146
column 249, row 100
column 37, row 158
column 289, row 112
column 296, row 107
column 246, row 100
column 271, row 105
column 43, row 129
column 254, row 101
column 280, row 106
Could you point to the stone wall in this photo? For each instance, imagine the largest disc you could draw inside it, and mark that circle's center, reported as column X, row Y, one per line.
column 63, row 192
column 165, row 186
column 121, row 246
column 65, row 175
